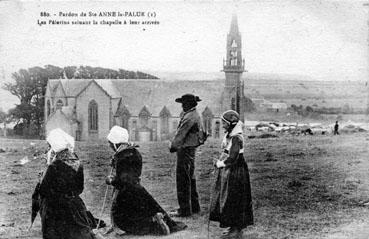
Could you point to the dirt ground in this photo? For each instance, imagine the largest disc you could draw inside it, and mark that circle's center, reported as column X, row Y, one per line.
column 303, row 186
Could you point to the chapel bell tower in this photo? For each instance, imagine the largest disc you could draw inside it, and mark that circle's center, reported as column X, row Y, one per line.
column 233, row 67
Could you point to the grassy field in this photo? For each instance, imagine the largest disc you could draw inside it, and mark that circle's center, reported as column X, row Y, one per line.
column 303, row 187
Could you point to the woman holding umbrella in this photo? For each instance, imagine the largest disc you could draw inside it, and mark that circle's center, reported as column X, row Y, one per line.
column 63, row 213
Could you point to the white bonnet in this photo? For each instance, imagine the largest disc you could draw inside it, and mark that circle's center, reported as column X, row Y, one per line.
column 118, row 135
column 60, row 140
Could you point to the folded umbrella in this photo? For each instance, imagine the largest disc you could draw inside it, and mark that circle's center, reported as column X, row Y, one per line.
column 35, row 203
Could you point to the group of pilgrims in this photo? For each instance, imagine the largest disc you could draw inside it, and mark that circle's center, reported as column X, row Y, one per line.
column 134, row 210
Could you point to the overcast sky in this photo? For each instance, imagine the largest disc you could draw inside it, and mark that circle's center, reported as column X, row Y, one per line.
column 325, row 40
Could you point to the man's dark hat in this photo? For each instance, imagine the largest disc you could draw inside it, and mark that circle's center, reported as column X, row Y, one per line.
column 188, row 98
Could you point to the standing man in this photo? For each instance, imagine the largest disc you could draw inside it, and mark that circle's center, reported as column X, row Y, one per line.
column 187, row 138
column 336, row 129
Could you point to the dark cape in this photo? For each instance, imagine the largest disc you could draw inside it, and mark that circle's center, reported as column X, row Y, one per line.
column 133, row 207
column 231, row 202
column 63, row 213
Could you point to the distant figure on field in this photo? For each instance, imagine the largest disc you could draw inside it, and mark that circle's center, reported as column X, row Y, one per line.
column 134, row 210
column 336, row 129
column 231, row 201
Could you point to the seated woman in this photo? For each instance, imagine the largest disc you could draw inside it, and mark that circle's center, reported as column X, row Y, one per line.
column 134, row 210
column 63, row 213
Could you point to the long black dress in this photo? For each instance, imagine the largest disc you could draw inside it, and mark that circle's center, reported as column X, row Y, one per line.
column 63, row 213
column 231, row 202
column 133, row 207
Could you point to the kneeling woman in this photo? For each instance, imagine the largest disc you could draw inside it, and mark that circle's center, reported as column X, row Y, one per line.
column 231, row 202
column 63, row 213
column 134, row 210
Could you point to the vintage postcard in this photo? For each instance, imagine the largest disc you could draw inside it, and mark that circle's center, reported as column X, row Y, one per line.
column 210, row 119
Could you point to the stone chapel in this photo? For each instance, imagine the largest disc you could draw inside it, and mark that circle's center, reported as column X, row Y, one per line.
column 88, row 108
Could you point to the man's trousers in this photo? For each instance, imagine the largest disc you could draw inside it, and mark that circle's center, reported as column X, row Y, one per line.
column 188, row 198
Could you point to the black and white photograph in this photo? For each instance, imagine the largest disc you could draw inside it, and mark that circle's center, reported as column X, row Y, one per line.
column 244, row 119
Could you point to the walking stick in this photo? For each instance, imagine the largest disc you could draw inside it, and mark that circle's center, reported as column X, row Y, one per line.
column 97, row 234
column 210, row 201
column 105, row 196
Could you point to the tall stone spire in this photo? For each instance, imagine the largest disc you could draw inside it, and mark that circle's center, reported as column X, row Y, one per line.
column 234, row 61
column 234, row 25
column 233, row 67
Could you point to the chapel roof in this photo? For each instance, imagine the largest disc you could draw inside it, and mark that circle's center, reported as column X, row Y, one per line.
column 71, row 86
column 154, row 94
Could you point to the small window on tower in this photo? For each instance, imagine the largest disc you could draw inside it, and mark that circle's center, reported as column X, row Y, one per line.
column 234, row 44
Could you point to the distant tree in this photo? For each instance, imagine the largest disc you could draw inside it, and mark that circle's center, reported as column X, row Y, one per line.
column 54, row 72
column 69, row 71
column 88, row 72
column 30, row 88
column 24, row 89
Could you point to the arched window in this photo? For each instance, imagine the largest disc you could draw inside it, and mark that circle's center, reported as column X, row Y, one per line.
column 175, row 125
column 125, row 121
column 154, row 130
column 59, row 104
column 92, row 115
column 208, row 125
column 164, row 125
column 207, row 117
column 48, row 108
column 125, row 115
column 144, row 116
column 133, row 135
column 164, row 122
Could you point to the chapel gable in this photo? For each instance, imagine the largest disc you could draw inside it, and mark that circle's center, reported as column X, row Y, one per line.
column 144, row 116
column 124, row 115
column 164, row 122
column 164, row 113
column 59, row 91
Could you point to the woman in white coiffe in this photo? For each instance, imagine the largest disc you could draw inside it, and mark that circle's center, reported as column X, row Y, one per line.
column 134, row 210
column 63, row 213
